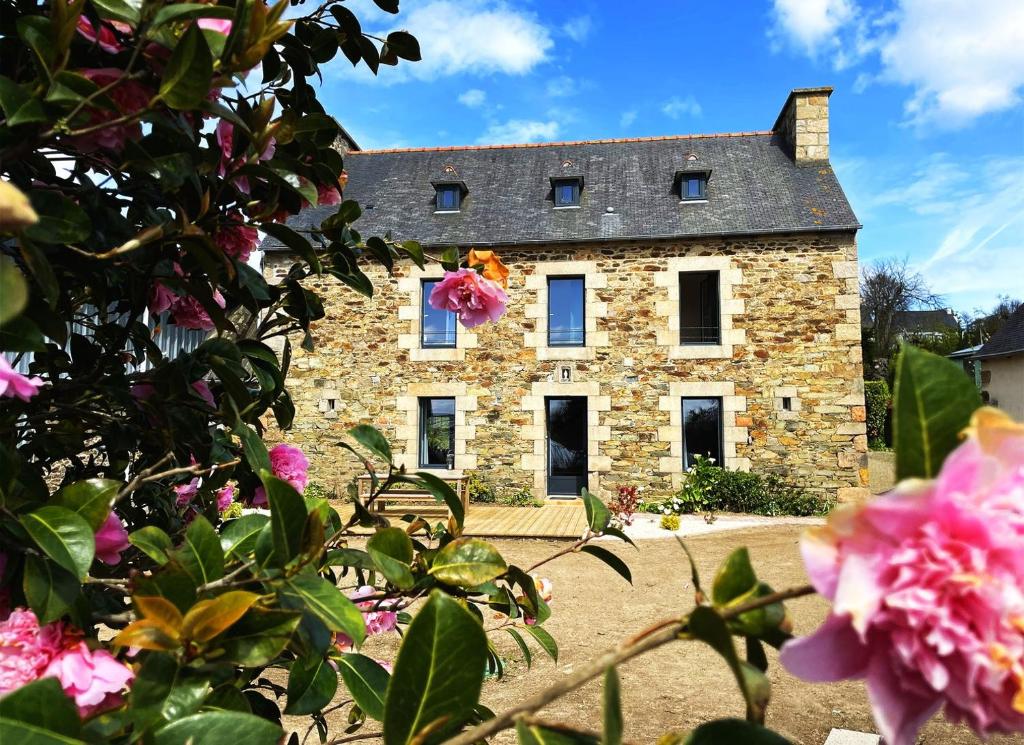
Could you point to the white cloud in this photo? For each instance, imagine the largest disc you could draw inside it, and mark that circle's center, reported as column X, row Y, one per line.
column 676, row 107
column 474, row 37
column 517, row 131
column 627, row 118
column 961, row 59
column 473, row 98
column 579, row 28
column 561, row 86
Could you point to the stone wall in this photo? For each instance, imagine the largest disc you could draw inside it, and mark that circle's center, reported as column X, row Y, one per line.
column 790, row 326
column 803, row 124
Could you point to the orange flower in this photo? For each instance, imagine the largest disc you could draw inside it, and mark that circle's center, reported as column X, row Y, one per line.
column 494, row 270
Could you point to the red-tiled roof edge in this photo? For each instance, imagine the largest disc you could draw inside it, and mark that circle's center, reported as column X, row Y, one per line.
column 609, row 141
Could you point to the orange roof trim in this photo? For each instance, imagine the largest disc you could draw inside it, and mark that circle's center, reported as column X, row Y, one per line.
column 609, row 141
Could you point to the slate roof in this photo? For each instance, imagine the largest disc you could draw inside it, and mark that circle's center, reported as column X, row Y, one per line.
column 911, row 321
column 754, row 188
column 1007, row 340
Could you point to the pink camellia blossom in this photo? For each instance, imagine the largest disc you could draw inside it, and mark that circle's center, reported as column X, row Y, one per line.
column 288, row 463
column 225, row 136
column 187, row 492
column 327, row 196
column 927, row 591
column 189, row 313
column 129, row 96
column 203, row 389
column 25, row 648
column 220, row 25
column 111, row 540
column 161, row 298
column 105, row 36
column 237, row 240
column 93, row 678
column 376, row 613
column 470, row 296
column 15, row 385
column 143, row 391
column 225, row 496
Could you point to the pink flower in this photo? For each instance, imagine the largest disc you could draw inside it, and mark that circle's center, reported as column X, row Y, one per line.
column 927, row 591
column 225, row 496
column 111, row 540
column 225, row 136
column 129, row 96
column 161, row 298
column 327, row 196
column 25, row 649
column 236, row 239
column 259, row 497
column 203, row 389
column 290, row 464
column 189, row 313
column 473, row 298
column 220, row 25
column 187, row 492
column 93, row 678
column 386, row 665
column 142, row 391
column 379, row 619
column 15, row 385
column 105, row 37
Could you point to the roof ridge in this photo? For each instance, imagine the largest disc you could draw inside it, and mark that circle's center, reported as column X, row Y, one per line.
column 606, row 141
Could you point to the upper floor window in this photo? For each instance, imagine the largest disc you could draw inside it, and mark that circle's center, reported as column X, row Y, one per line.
column 437, row 432
column 449, row 197
column 693, row 187
column 702, row 430
column 565, row 312
column 567, row 192
column 699, row 313
column 437, row 327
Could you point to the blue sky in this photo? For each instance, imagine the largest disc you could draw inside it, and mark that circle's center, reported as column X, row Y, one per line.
column 927, row 116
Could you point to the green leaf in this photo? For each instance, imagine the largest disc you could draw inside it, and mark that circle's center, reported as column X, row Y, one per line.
column 238, row 537
column 612, row 710
column 255, row 450
column 49, row 589
column 366, row 681
column 13, row 290
column 186, row 79
column 598, row 515
column 392, row 553
column 527, row 656
column 610, row 559
column 200, row 554
column 443, row 492
column 760, row 622
column 932, row 403
column 708, row 626
column 189, row 10
column 327, row 603
column 91, row 498
column 41, row 704
column 438, row 673
column 163, row 692
column 414, row 251
column 287, row 517
column 404, row 45
column 311, row 685
column 296, row 243
column 468, row 562
column 735, row 577
column 119, row 10
column 217, row 728
column 620, row 535
column 350, row 557
column 60, row 219
column 18, row 105
column 41, row 269
column 259, row 637
column 545, row 640
column 64, row 536
column 153, row 542
column 536, row 734
column 734, row 732
column 450, row 259
column 371, row 439
column 35, row 32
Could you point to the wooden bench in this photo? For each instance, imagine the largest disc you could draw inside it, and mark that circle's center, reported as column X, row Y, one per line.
column 405, row 499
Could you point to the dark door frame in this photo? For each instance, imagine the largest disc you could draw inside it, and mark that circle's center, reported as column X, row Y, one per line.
column 568, row 485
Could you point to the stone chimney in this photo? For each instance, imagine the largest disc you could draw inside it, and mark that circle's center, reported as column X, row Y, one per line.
column 803, row 125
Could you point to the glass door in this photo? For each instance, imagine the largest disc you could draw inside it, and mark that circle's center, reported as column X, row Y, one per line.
column 567, row 444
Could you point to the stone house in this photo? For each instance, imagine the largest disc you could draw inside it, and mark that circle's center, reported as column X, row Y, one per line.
column 669, row 297
column 1001, row 359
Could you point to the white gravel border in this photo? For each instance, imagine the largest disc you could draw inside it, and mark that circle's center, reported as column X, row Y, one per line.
column 646, row 526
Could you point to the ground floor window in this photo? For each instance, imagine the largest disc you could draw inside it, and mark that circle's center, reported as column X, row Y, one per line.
column 437, row 432
column 567, row 444
column 702, row 429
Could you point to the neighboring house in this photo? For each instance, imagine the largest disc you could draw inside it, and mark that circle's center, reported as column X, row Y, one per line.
column 670, row 297
column 1002, row 367
column 910, row 324
column 965, row 358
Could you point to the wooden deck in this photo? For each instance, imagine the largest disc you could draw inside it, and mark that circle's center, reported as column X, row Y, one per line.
column 556, row 519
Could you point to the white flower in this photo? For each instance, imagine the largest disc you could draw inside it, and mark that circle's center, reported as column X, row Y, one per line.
column 711, row 460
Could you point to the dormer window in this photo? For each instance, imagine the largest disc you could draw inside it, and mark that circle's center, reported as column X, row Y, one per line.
column 693, row 187
column 567, row 192
column 449, row 197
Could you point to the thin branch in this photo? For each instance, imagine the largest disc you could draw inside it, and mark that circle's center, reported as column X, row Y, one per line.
column 353, row 738
column 562, row 552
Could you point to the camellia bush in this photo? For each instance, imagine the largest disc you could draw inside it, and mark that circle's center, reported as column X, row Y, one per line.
column 144, row 146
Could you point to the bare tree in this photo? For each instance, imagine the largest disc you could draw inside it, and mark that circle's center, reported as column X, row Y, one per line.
column 982, row 324
column 888, row 288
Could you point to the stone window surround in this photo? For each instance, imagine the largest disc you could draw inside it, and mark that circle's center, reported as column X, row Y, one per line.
column 594, row 309
column 409, row 432
column 412, row 285
column 791, row 392
column 537, row 432
column 673, row 433
column 668, row 335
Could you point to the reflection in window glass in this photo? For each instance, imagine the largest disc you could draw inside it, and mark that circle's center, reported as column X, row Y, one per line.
column 702, row 429
column 565, row 312
column 567, row 193
column 699, row 317
column 693, row 187
column 448, row 197
column 437, row 431
column 438, row 326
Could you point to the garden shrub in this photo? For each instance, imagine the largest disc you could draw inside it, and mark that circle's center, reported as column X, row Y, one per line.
column 670, row 522
column 624, row 505
column 480, row 490
column 522, row 497
column 316, row 490
column 877, row 401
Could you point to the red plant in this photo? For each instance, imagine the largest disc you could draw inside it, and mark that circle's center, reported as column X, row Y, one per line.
column 624, row 505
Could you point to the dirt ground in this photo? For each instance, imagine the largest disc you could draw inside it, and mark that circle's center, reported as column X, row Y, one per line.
column 683, row 684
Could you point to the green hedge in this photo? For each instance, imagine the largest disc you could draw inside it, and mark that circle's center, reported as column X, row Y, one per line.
column 877, row 399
